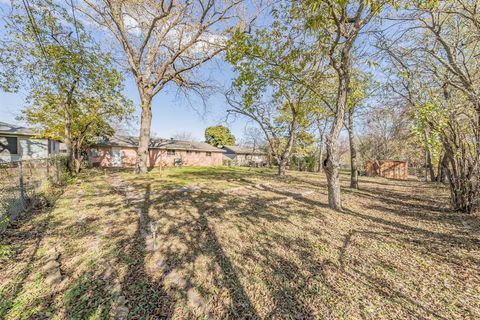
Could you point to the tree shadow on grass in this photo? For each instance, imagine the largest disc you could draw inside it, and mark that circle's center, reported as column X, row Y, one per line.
column 194, row 233
column 145, row 296
column 157, row 280
column 22, row 240
column 89, row 297
column 13, row 237
column 378, row 284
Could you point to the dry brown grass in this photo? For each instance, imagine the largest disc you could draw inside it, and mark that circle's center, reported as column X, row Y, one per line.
column 240, row 243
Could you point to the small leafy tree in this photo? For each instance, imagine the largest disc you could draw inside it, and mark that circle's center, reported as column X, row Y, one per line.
column 219, row 136
column 270, row 89
column 73, row 92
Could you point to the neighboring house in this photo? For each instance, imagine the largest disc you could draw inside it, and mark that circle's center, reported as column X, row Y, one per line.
column 121, row 151
column 19, row 143
column 241, row 156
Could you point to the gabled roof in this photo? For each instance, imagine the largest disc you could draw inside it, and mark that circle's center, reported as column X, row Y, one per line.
column 7, row 128
column 243, row 150
column 156, row 143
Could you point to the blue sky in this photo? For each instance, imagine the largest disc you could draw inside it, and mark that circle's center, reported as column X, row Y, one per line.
column 171, row 113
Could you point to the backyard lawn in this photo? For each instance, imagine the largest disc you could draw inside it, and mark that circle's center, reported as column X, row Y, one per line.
column 239, row 243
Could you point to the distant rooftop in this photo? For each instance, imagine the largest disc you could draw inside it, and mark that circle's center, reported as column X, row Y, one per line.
column 242, row 150
column 14, row 129
column 157, row 143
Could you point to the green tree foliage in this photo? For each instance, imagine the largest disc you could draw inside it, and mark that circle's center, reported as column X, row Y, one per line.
column 73, row 92
column 219, row 136
column 275, row 69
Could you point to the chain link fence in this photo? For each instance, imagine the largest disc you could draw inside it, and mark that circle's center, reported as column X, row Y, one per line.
column 21, row 182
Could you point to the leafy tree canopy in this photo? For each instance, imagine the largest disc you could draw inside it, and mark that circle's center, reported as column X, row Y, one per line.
column 73, row 92
column 219, row 136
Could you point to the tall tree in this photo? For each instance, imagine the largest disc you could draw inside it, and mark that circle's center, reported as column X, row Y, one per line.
column 338, row 24
column 164, row 42
column 219, row 136
column 74, row 93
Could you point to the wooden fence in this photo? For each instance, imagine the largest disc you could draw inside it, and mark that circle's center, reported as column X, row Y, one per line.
column 393, row 169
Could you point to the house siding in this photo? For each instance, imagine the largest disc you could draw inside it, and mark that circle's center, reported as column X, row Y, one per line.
column 247, row 159
column 157, row 157
column 29, row 148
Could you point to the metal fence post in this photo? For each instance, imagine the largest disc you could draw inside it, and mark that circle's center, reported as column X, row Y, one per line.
column 22, row 186
column 48, row 169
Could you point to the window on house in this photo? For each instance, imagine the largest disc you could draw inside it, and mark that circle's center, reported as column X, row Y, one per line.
column 9, row 145
column 209, row 154
column 189, row 151
column 197, row 152
column 51, row 146
column 94, row 152
column 170, row 152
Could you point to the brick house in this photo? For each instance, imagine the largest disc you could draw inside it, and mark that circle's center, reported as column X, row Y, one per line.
column 121, row 151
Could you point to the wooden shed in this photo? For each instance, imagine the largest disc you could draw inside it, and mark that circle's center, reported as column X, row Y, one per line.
column 393, row 169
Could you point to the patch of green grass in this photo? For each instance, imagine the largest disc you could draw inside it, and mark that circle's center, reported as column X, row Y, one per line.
column 27, row 304
column 5, row 252
column 88, row 297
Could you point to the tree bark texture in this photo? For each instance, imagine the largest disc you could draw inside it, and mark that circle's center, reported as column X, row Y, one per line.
column 353, row 152
column 144, row 138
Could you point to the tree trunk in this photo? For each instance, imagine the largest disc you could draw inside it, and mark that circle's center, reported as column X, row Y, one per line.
column 333, row 180
column 68, row 141
column 353, row 152
column 442, row 169
column 322, row 136
column 320, row 157
column 77, row 161
column 429, row 165
column 331, row 163
column 282, row 164
column 144, row 139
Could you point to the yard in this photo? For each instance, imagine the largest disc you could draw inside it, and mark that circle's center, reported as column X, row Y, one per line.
column 239, row 243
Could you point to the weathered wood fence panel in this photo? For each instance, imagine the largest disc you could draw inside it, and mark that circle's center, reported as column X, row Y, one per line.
column 393, row 169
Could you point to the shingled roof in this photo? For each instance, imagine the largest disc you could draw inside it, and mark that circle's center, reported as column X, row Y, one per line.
column 242, row 150
column 155, row 143
column 7, row 128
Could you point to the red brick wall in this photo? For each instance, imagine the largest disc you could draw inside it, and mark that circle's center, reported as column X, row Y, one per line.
column 157, row 157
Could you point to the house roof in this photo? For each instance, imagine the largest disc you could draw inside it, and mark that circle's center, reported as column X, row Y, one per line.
column 7, row 128
column 155, row 143
column 243, row 150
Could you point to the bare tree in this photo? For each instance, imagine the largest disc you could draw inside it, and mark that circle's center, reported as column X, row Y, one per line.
column 164, row 42
column 254, row 138
column 184, row 135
